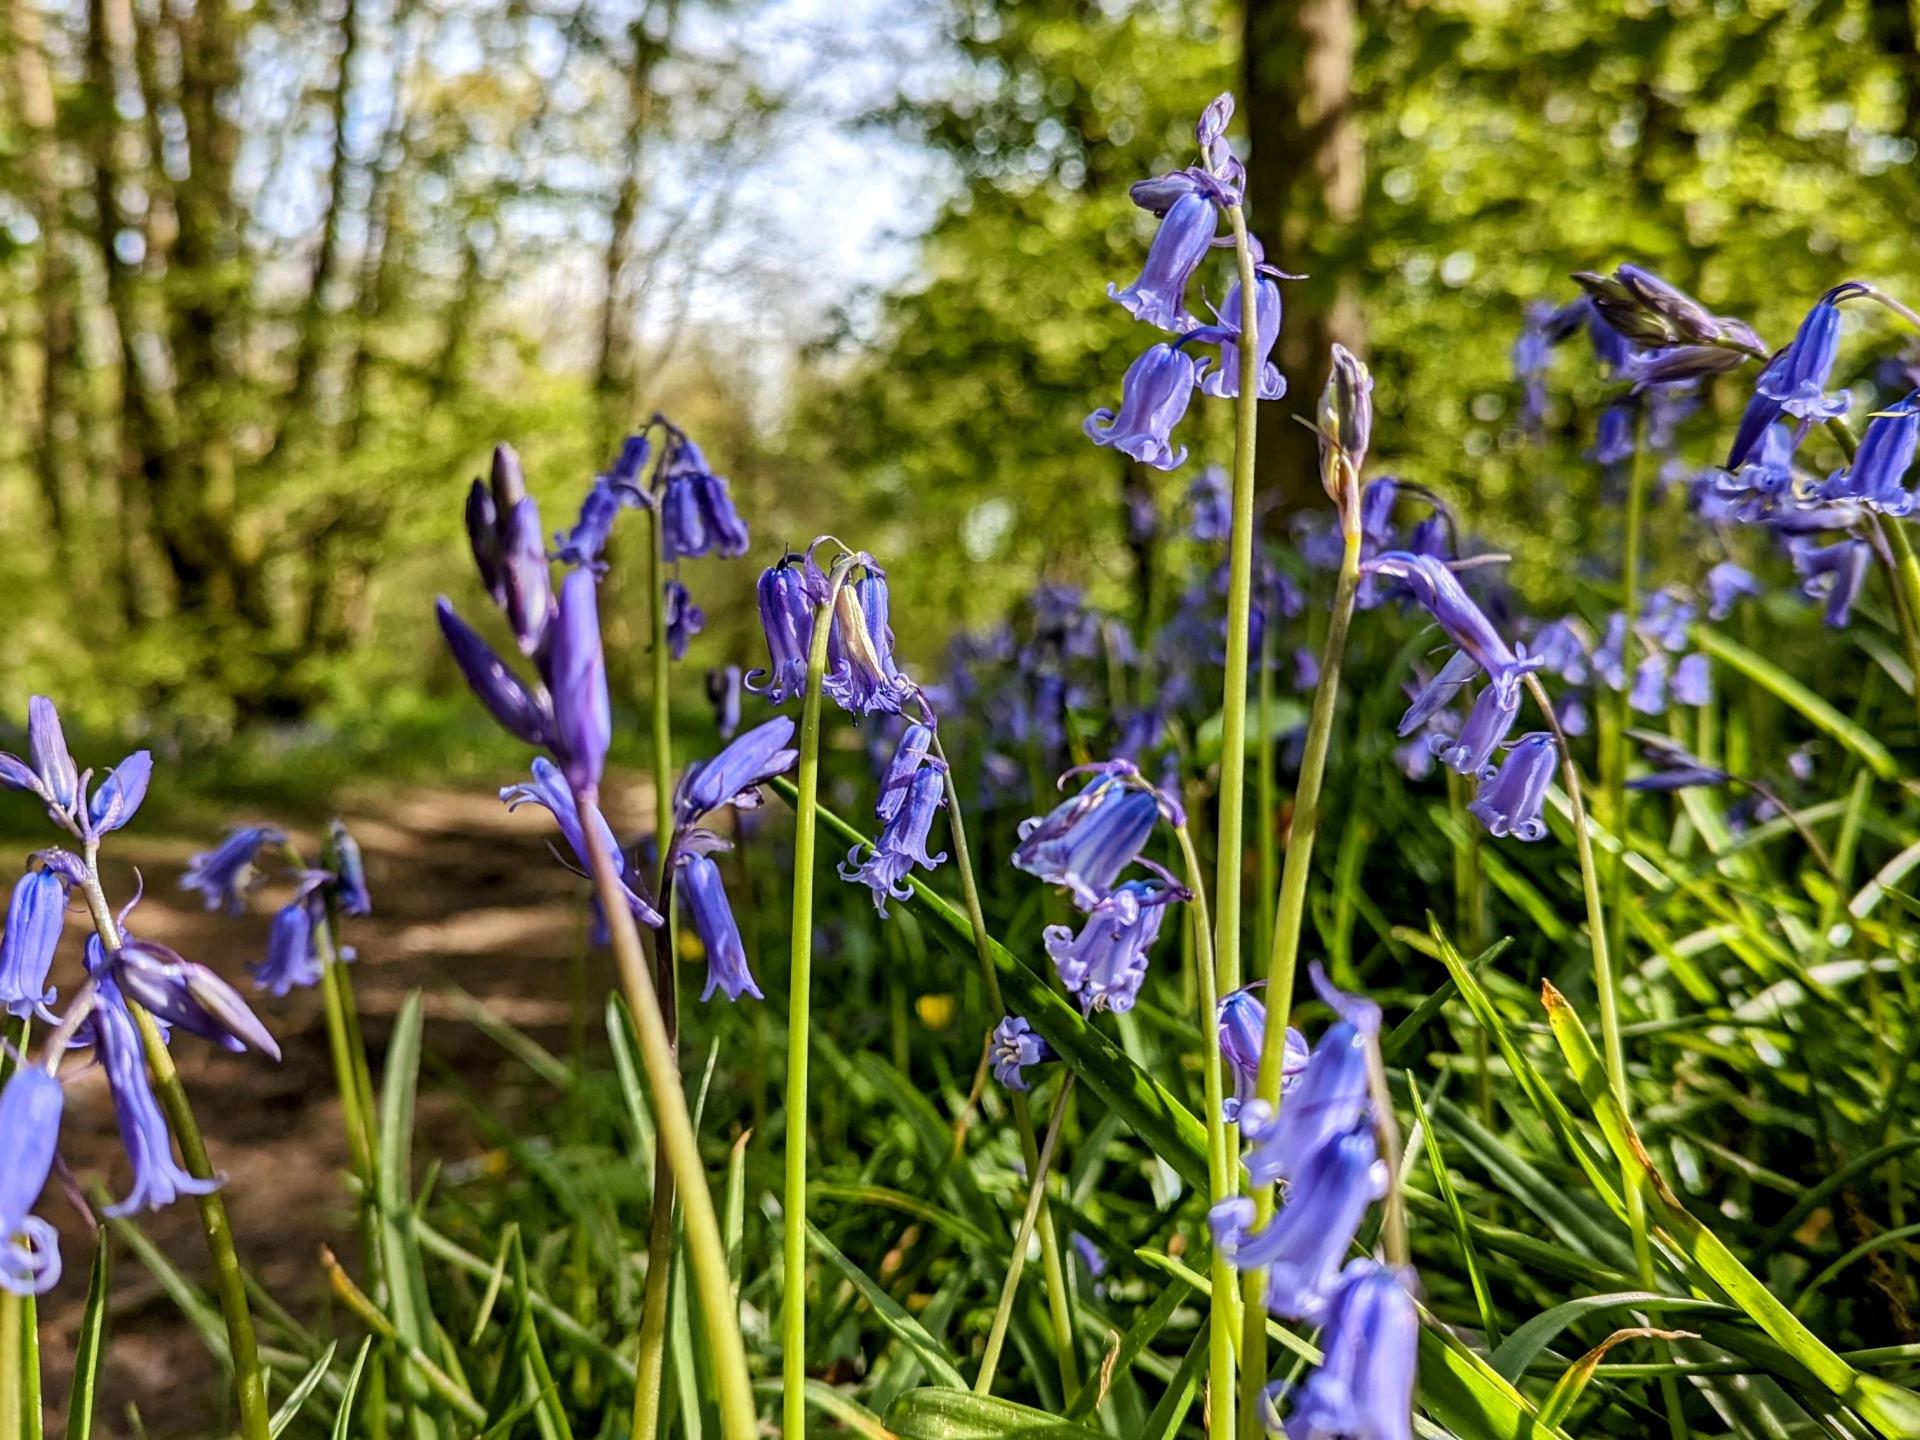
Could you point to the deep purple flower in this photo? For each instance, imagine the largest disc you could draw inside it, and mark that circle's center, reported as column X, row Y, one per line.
column 1243, row 1034
column 1154, row 395
column 1797, row 377
column 523, row 713
column 550, row 791
column 30, row 1109
column 529, row 579
column 1759, row 416
column 1085, row 842
column 1304, row 1245
column 292, row 962
column 1016, row 1046
column 696, row 508
column 1107, row 962
column 908, row 756
column 119, row 796
column 1689, row 319
column 1679, row 364
column 1438, row 692
column 1614, row 441
column 36, row 914
column 1877, row 476
column 723, row 693
column 47, row 748
column 1222, row 379
column 1833, row 572
column 1649, row 693
column 733, row 777
column 1509, row 800
column 1439, row 592
column 705, row 897
column 861, row 676
column 1488, row 723
column 1210, row 505
column 902, row 843
column 1727, row 583
column 1675, row 768
column 684, row 619
column 619, row 489
column 187, row 996
column 1159, row 296
column 349, row 871
column 786, row 617
column 157, row 1179
column 226, row 873
column 576, row 673
column 1369, row 1345
column 1329, row 1100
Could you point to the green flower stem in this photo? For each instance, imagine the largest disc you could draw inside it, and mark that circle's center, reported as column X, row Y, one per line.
column 706, row 1251
column 1617, row 747
column 793, row 1201
column 19, row 1314
column 1266, row 840
column 1906, row 583
column 249, row 1384
column 1036, row 1195
column 1221, row 1180
column 1059, row 1310
column 651, row 1358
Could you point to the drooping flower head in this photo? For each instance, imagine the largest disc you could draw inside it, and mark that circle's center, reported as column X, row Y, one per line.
column 1797, row 377
column 723, row 693
column 861, row 676
column 1435, row 587
column 1509, row 801
column 341, row 854
column 697, row 516
column 182, row 994
column 684, row 619
column 1222, row 379
column 735, row 775
column 1330, row 1099
column 902, row 843
column 225, row 874
column 1210, row 505
column 1085, row 842
column 620, row 488
column 909, row 755
column 1154, row 395
column 1726, row 584
column 36, row 914
column 1106, row 963
column 1016, row 1047
column 1243, row 1033
column 1488, row 723
column 292, row 962
column 705, row 897
column 786, row 618
column 1369, row 1343
column 157, row 1179
column 550, row 790
column 1159, row 296
column 1877, row 476
column 30, row 1108
column 1835, row 573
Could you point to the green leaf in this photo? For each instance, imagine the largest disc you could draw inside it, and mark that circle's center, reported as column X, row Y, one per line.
column 908, row 1330
column 1171, row 1412
column 297, row 1398
column 1769, row 676
column 962, row 1415
column 1139, row 1336
column 90, row 1345
column 1567, row 1389
column 343, row 1417
column 19, row 1367
column 1463, row 1237
column 407, row 1304
column 837, row 1403
column 1525, row 1345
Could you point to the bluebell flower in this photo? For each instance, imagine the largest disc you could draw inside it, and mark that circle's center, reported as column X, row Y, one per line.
column 1612, row 351
column 52, row 762
column 1159, row 296
column 1017, row 1046
column 1649, row 693
column 696, row 508
column 1344, row 419
column 684, row 619
column 1329, row 1100
column 1210, row 505
column 1727, row 583
column 483, row 535
column 1760, row 415
column 1306, row 669
column 529, row 579
column 576, row 675
column 36, row 914
column 1532, row 354
column 550, row 791
column 1571, row 711
column 523, row 713
column 157, row 1179
column 908, row 756
column 786, row 618
column 1688, row 318
column 225, row 874
column 1563, row 652
column 1303, row 1246
column 1675, row 767
column 902, row 843
column 861, row 677
column 1610, row 655
column 1835, row 572
column 1692, row 681
column 1488, row 723
column 723, row 693
column 30, row 1110
column 342, row 854
column 1668, row 619
column 705, row 897
column 1797, row 378
column 1085, row 842
column 1439, row 592
column 1876, row 477
column 1614, row 441
column 1438, row 692
column 619, row 489
column 1106, row 963
column 292, row 962
column 1222, row 379
column 119, row 796
column 734, row 776
column 183, row 995
column 1243, row 1035
column 1369, row 1344
column 1154, row 395
column 1509, row 800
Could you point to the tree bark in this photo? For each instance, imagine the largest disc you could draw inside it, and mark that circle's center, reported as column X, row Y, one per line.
column 1306, row 184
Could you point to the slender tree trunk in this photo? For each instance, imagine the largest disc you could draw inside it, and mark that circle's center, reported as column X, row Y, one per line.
column 1308, row 175
column 613, row 374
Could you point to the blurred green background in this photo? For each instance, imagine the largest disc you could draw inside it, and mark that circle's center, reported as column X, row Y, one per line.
column 273, row 277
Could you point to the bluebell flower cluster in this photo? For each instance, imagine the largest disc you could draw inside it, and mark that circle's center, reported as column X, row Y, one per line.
column 227, row 874
column 1319, row 1145
column 179, row 995
column 1160, row 383
column 861, row 675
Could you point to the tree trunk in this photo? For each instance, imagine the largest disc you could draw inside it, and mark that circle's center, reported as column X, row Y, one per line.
column 613, row 374
column 1306, row 182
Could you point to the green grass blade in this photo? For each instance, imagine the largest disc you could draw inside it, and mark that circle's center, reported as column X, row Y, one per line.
column 1568, row 1388
column 343, row 1417
column 297, row 1398
column 407, row 1305
column 1139, row 1336
column 1463, row 1237
column 1769, row 676
column 626, row 1066
column 19, row 1367
column 491, row 1295
column 1527, row 1343
column 90, row 1345
column 891, row 1314
column 1171, row 1413
column 962, row 1415
column 734, row 1223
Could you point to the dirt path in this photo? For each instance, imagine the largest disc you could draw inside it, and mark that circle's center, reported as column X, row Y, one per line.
column 464, row 894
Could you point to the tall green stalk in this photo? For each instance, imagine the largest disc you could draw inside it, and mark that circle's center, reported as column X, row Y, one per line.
column 1617, row 747
column 1036, row 1197
column 249, row 1383
column 1285, row 955
column 1266, row 839
column 1222, row 1180
column 651, row 1357
column 793, row 1214
column 1059, row 1310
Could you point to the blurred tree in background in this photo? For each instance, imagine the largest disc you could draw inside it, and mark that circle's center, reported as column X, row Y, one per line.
column 273, row 276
